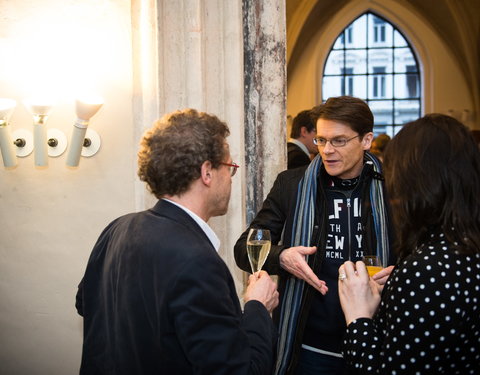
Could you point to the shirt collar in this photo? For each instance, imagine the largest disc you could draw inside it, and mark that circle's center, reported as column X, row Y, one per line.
column 201, row 223
column 299, row 144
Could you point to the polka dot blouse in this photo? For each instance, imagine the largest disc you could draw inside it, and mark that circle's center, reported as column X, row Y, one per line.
column 428, row 321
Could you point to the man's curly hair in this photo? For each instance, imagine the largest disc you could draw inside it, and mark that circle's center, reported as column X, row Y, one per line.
column 174, row 149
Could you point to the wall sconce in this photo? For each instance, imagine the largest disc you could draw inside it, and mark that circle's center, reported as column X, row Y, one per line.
column 40, row 112
column 85, row 110
column 6, row 142
column 57, row 142
column 23, row 141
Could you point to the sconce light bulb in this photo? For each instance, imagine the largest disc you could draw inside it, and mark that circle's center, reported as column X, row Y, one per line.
column 86, row 108
column 40, row 109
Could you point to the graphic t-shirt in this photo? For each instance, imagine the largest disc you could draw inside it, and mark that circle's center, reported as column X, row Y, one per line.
column 326, row 322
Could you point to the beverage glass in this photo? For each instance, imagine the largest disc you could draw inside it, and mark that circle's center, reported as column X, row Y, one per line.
column 258, row 247
column 373, row 264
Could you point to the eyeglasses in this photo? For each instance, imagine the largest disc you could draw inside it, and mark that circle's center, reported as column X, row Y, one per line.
column 335, row 142
column 233, row 167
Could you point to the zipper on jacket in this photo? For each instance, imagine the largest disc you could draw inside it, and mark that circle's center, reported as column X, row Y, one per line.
column 349, row 206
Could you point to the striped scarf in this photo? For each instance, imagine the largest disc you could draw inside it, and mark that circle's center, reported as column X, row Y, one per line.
column 301, row 236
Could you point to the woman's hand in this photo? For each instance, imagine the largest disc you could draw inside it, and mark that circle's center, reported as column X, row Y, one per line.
column 359, row 294
column 382, row 276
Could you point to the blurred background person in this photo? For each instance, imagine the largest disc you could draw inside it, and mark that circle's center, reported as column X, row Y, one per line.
column 427, row 318
column 379, row 144
column 300, row 146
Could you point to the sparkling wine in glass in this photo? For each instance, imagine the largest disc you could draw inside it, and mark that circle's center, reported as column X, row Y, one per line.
column 373, row 264
column 258, row 247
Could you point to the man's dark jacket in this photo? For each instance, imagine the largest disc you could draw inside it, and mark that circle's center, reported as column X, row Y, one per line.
column 157, row 299
column 296, row 157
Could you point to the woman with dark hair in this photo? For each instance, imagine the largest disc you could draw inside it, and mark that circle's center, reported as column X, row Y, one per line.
column 426, row 320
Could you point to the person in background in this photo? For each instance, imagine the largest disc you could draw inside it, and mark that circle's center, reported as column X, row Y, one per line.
column 319, row 216
column 156, row 297
column 300, row 146
column 379, row 144
column 426, row 321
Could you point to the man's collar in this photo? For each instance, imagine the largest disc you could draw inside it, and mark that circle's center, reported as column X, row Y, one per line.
column 201, row 223
column 299, row 144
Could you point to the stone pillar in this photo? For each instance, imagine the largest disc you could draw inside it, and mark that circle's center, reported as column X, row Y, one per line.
column 264, row 36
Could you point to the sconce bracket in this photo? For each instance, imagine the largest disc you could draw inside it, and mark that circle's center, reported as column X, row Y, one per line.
column 27, row 136
column 61, row 146
column 95, row 143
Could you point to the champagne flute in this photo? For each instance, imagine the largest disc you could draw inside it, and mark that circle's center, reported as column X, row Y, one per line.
column 258, row 247
column 373, row 264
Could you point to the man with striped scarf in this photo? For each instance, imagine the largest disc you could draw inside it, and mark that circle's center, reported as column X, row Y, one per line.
column 320, row 216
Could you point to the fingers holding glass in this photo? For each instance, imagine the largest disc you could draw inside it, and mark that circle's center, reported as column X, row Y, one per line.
column 373, row 264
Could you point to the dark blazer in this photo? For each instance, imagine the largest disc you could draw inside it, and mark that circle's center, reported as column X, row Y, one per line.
column 296, row 156
column 158, row 299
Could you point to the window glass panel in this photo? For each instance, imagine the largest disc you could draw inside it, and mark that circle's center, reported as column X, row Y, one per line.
column 359, row 32
column 407, row 86
column 382, row 111
column 360, row 86
column 380, row 57
column 403, row 58
column 399, row 40
column 331, row 86
column 378, row 29
column 335, row 62
column 339, row 43
column 406, row 110
column 357, row 59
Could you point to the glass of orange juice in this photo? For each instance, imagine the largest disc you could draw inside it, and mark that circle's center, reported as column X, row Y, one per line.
column 373, row 264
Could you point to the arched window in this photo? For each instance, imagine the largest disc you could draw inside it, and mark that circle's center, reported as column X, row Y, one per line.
column 372, row 60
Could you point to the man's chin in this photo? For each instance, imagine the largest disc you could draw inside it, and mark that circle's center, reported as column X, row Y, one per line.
column 220, row 212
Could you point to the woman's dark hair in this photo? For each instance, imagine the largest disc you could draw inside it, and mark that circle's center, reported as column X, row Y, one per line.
column 432, row 173
column 347, row 110
column 174, row 149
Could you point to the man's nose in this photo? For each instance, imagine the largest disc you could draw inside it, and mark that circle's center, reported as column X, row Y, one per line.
column 328, row 148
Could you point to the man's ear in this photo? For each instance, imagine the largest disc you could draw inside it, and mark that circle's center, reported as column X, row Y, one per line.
column 304, row 131
column 367, row 141
column 206, row 172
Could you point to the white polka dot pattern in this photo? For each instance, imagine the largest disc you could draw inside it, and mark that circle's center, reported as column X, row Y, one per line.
column 428, row 321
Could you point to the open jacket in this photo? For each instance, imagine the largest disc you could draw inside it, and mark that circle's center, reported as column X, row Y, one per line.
column 277, row 214
column 157, row 299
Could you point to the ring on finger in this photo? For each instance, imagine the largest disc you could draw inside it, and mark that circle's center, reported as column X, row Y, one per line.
column 342, row 276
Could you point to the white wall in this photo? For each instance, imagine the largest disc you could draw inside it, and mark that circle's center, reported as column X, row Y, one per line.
column 50, row 218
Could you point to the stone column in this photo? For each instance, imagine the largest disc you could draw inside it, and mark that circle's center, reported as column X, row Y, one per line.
column 264, row 36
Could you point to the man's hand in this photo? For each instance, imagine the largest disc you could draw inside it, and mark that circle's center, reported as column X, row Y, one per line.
column 293, row 261
column 262, row 288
